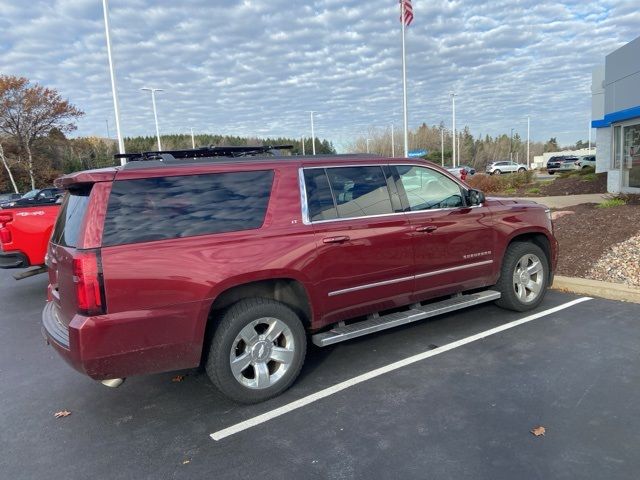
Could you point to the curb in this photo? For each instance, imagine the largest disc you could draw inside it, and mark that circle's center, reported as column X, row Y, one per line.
column 596, row 288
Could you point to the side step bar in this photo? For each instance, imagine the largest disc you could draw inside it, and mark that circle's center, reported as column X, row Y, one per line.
column 377, row 323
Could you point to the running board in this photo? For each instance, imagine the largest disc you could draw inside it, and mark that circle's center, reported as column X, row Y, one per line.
column 377, row 323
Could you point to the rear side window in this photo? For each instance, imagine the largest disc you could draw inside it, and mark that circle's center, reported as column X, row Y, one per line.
column 67, row 228
column 183, row 206
column 319, row 198
column 360, row 191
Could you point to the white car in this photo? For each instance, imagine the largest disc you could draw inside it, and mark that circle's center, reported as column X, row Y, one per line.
column 457, row 171
column 505, row 166
column 585, row 161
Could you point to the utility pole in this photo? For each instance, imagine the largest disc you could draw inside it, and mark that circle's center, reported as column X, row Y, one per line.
column 441, row 145
column 313, row 134
column 114, row 88
column 393, row 143
column 528, row 143
column 155, row 111
column 453, row 121
column 193, row 140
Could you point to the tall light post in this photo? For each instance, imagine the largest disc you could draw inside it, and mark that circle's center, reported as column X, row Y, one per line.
column 393, row 142
column 313, row 133
column 155, row 112
column 193, row 140
column 302, row 142
column 114, row 89
column 511, row 146
column 368, row 140
column 453, row 121
column 528, row 143
column 441, row 145
column 589, row 136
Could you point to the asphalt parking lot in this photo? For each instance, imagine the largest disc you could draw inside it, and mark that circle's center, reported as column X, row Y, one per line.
column 464, row 413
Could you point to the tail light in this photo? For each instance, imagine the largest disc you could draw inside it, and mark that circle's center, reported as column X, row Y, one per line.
column 88, row 280
column 5, row 233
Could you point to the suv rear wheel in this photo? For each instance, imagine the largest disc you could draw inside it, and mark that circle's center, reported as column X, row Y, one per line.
column 257, row 350
column 524, row 277
column 496, row 172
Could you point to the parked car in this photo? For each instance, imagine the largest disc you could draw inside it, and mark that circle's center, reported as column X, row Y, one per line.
column 7, row 197
column 234, row 263
column 462, row 172
column 505, row 166
column 585, row 161
column 561, row 163
column 37, row 197
column 24, row 235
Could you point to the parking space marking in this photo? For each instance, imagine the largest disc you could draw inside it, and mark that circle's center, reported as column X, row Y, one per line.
column 314, row 397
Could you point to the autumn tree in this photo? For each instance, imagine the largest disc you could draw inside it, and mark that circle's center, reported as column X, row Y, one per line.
column 29, row 112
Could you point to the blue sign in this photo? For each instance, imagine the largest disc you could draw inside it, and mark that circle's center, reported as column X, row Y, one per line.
column 418, row 153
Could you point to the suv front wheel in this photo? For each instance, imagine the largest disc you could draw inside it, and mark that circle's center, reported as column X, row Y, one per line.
column 524, row 277
column 257, row 350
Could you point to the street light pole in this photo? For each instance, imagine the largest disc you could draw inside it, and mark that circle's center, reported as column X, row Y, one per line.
column 155, row 112
column 511, row 146
column 313, row 133
column 193, row 140
column 302, row 141
column 528, row 143
column 393, row 143
column 114, row 89
column 442, row 145
column 453, row 121
column 368, row 140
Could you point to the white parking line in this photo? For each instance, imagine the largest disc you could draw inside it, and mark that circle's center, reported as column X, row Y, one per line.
column 314, row 397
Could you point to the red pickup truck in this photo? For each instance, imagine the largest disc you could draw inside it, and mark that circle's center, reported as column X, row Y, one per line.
column 24, row 235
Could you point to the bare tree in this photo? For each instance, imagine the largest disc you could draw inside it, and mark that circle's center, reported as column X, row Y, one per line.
column 6, row 166
column 29, row 112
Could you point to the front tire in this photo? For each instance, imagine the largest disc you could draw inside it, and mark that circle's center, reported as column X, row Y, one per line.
column 521, row 170
column 257, row 350
column 523, row 278
column 496, row 172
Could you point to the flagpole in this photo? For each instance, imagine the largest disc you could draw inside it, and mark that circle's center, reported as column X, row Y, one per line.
column 404, row 84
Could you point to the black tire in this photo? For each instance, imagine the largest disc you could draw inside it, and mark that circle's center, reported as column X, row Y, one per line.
column 237, row 317
column 520, row 170
column 496, row 172
column 551, row 173
column 506, row 285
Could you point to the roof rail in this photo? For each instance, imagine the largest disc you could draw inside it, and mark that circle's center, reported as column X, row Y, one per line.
column 203, row 152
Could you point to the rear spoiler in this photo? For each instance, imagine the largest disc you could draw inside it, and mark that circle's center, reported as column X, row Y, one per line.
column 86, row 177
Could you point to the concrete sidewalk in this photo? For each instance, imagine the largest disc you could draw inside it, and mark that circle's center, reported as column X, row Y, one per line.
column 563, row 201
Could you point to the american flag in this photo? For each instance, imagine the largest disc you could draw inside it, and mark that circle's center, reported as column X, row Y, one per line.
column 405, row 5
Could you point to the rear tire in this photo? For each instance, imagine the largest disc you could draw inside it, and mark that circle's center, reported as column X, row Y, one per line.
column 524, row 277
column 496, row 172
column 257, row 350
column 520, row 170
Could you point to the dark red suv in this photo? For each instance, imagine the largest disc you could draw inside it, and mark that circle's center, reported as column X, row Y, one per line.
column 234, row 263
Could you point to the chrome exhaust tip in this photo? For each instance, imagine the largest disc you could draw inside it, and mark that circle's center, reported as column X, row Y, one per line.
column 113, row 382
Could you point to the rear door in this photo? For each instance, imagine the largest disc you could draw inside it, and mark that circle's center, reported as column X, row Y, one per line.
column 364, row 250
column 453, row 243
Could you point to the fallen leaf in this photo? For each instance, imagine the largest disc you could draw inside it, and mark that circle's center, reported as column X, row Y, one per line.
column 62, row 413
column 184, row 462
column 539, row 430
column 178, row 378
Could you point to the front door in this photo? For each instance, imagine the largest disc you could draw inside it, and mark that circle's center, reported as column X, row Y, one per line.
column 364, row 246
column 453, row 243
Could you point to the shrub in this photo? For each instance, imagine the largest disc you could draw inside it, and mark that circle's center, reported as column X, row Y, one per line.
column 534, row 190
column 612, row 202
column 507, row 183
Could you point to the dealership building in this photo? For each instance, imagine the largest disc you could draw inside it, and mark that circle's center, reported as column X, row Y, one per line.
column 615, row 113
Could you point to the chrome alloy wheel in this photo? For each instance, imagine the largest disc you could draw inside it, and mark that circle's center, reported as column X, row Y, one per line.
column 528, row 278
column 262, row 353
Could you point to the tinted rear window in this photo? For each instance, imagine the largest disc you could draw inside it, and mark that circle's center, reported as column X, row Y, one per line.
column 184, row 206
column 67, row 228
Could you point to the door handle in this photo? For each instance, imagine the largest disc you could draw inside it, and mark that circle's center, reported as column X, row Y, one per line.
column 426, row 228
column 338, row 239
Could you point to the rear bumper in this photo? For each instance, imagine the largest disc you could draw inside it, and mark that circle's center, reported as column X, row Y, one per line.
column 120, row 345
column 13, row 260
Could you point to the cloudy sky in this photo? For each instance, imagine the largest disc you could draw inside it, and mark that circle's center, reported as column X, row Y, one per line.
column 254, row 67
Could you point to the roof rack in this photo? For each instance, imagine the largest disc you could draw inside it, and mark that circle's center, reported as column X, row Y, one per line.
column 203, row 152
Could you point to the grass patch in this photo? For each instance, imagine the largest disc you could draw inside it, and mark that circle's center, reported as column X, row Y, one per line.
column 612, row 202
column 589, row 177
column 533, row 190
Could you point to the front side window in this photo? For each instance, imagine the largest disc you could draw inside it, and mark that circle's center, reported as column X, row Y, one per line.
column 359, row 191
column 319, row 199
column 183, row 206
column 427, row 189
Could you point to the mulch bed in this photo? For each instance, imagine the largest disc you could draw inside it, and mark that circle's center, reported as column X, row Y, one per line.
column 586, row 234
column 568, row 186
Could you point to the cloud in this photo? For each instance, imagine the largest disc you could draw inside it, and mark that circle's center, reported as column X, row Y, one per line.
column 254, row 67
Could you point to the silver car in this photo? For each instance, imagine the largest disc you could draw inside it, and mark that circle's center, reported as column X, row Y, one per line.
column 505, row 166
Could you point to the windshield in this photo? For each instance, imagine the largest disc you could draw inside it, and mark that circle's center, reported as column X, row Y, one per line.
column 30, row 194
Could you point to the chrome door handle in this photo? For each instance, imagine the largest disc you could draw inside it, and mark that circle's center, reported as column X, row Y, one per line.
column 426, row 228
column 338, row 239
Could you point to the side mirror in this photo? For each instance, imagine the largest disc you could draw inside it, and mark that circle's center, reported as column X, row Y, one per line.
column 476, row 197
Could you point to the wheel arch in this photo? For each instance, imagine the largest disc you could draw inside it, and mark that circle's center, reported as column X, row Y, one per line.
column 538, row 238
